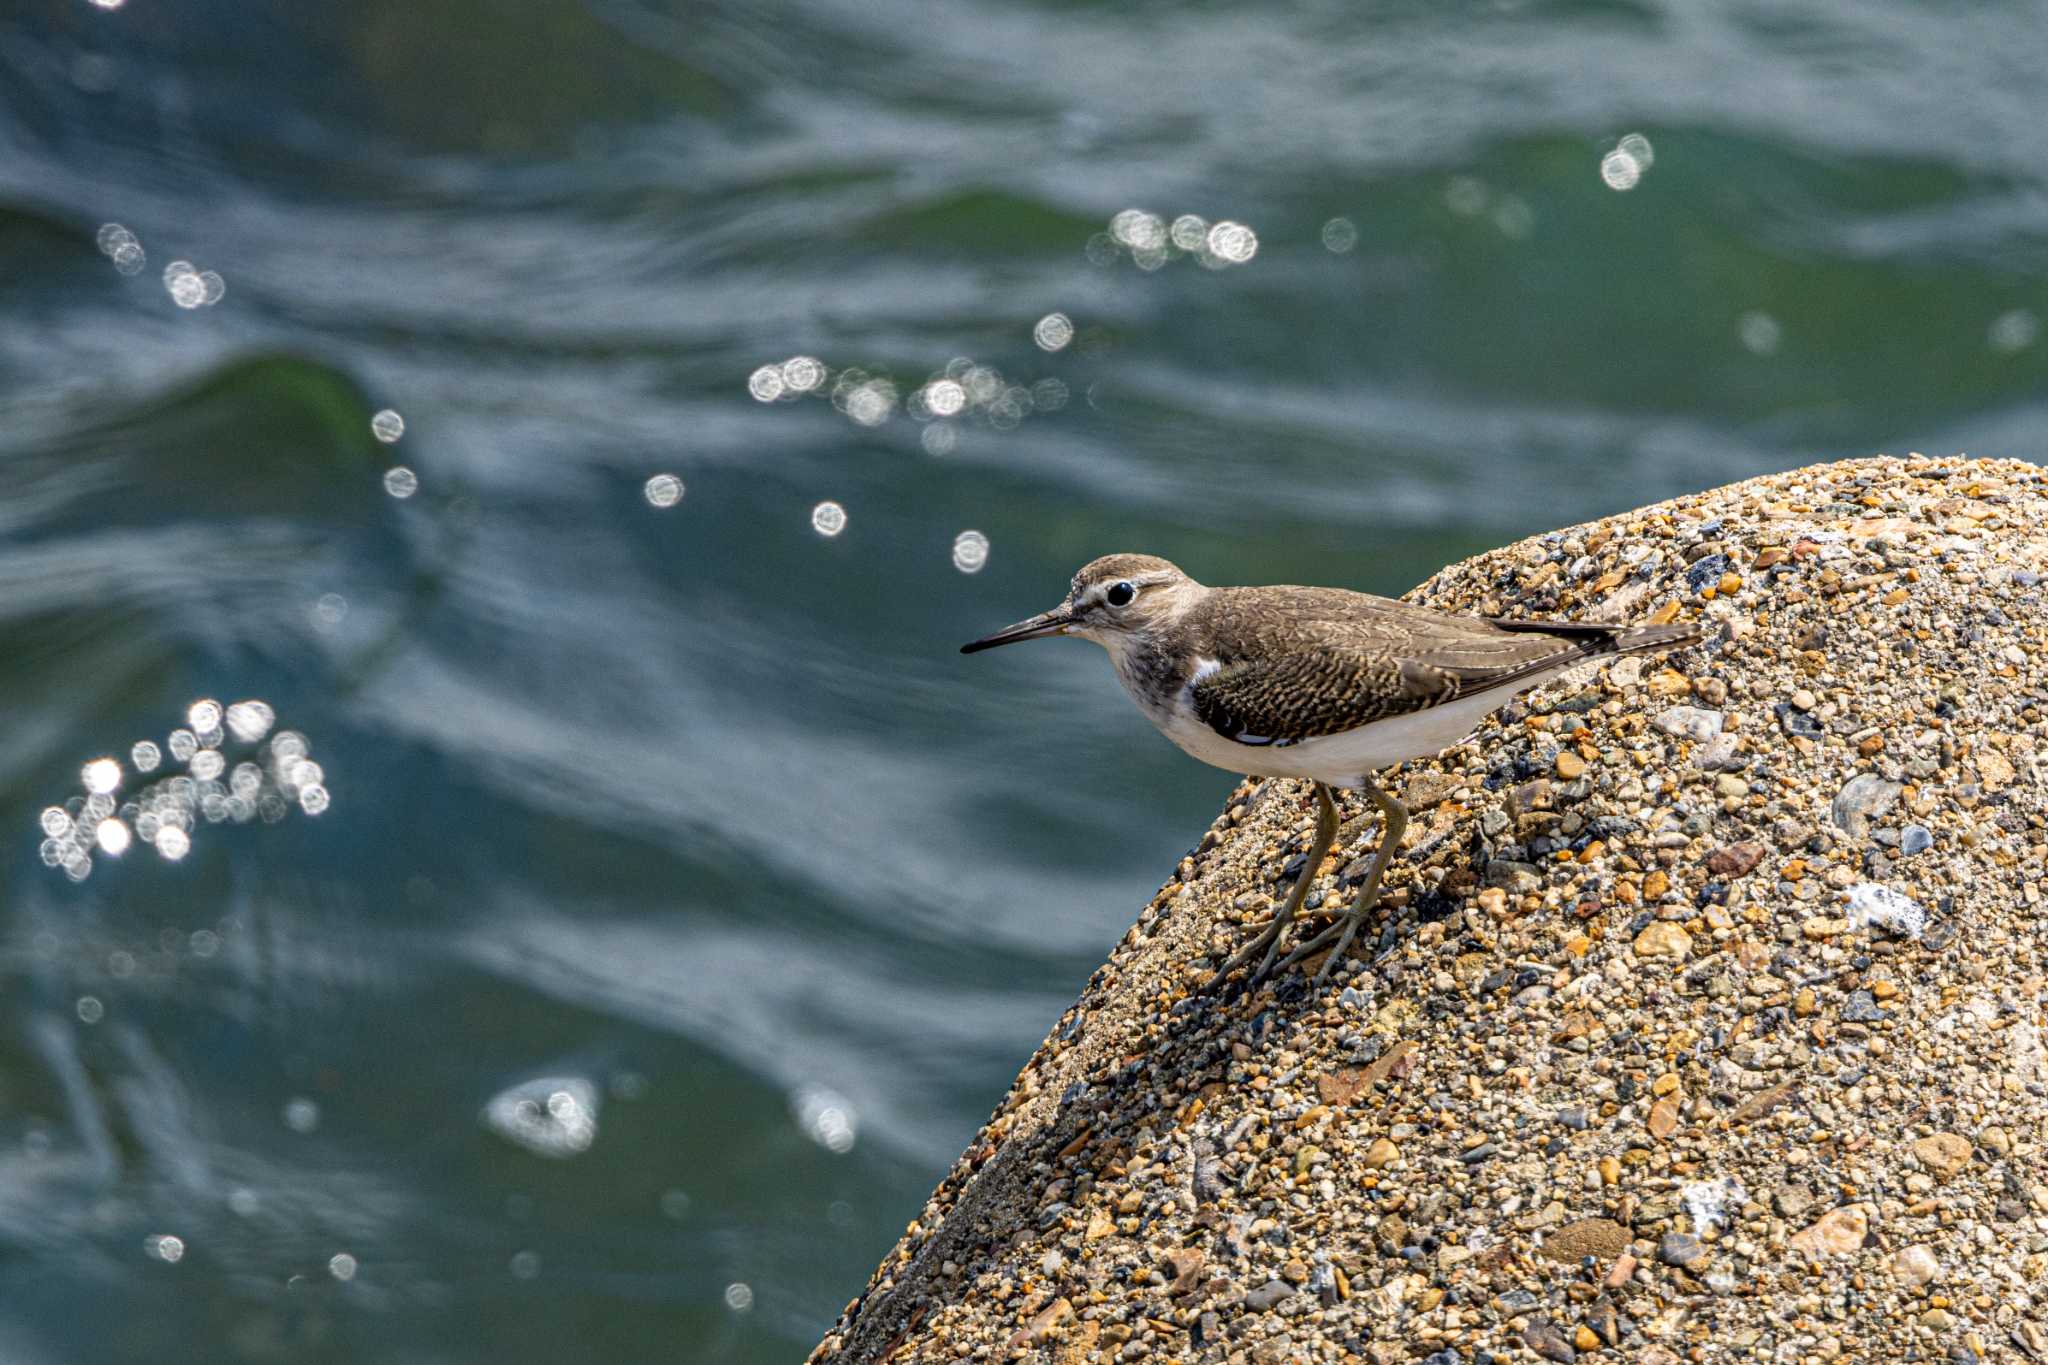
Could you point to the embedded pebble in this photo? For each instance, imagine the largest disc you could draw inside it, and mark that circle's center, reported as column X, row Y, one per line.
column 1735, row 860
column 1706, row 572
column 1689, row 722
column 1871, row 904
column 1547, row 1341
column 1915, row 1266
column 1798, row 724
column 1599, row 1238
column 1722, row 753
column 1681, row 1248
column 1839, row 1232
column 1662, row 938
column 1943, row 1153
column 1864, row 798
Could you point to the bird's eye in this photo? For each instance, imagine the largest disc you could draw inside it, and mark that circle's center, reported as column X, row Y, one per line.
column 1120, row 595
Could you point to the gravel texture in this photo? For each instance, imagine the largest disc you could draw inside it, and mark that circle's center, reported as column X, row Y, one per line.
column 1701, row 1020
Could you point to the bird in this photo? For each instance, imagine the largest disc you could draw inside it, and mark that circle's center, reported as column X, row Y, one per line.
column 1325, row 684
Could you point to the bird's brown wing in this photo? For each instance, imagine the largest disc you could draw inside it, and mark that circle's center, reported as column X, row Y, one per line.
column 1290, row 697
column 1296, row 664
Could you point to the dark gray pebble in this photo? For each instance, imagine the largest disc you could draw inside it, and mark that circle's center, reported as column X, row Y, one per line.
column 1796, row 722
column 1681, row 1249
column 1862, row 799
column 1706, row 572
column 1547, row 1341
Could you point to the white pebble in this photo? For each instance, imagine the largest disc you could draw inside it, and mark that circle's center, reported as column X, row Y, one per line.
column 1872, row 904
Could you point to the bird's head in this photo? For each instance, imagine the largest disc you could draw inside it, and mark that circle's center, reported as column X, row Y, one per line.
column 1113, row 599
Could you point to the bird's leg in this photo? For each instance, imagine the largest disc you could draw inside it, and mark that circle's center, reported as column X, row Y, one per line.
column 1396, row 816
column 1319, row 848
column 1269, row 941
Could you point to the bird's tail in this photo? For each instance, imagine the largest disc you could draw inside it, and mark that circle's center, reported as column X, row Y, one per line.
column 1647, row 639
column 1595, row 637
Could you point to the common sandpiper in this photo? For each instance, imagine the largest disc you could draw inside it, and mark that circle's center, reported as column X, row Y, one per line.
column 1316, row 683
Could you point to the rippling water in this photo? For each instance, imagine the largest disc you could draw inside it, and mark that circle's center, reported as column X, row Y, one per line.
column 682, row 901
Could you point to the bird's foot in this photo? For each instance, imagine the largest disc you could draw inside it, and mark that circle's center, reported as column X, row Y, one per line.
column 1339, row 932
column 1268, row 943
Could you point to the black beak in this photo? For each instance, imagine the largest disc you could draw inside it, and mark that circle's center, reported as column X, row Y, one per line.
column 1045, row 623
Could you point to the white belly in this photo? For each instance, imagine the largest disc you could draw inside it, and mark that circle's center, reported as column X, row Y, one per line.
column 1341, row 760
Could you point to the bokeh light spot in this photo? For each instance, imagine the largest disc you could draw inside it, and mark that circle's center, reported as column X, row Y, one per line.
column 551, row 1117
column 970, row 551
column 1053, row 332
column 1760, row 333
column 944, row 397
column 869, row 403
column 1620, row 171
column 1139, row 230
column 250, row 721
column 1189, row 231
column 1233, row 242
column 1466, row 196
column 802, row 373
column 2013, row 331
column 387, row 426
column 663, row 490
column 828, row 518
column 188, row 288
column 400, row 482
column 122, row 247
column 826, row 1117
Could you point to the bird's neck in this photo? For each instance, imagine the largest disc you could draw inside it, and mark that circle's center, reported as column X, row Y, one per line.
column 1155, row 662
